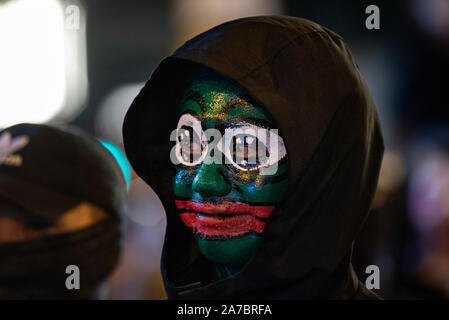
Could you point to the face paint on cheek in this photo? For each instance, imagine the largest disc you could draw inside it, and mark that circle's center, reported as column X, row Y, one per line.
column 263, row 189
column 182, row 183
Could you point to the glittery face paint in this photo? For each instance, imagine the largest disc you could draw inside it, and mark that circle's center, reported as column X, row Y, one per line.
column 220, row 191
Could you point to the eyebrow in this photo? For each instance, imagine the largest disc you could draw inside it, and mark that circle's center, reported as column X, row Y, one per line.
column 238, row 122
column 235, row 102
column 196, row 97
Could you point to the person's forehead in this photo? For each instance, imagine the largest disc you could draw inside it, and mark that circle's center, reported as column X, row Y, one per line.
column 220, row 99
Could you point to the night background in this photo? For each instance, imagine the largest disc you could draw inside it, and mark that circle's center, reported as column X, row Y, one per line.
column 109, row 56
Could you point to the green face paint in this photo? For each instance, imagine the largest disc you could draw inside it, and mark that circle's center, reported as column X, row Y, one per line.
column 221, row 191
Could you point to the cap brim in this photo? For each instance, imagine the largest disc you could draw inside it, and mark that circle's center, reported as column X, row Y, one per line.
column 43, row 202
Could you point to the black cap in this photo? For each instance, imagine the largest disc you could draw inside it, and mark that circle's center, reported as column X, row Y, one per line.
column 48, row 170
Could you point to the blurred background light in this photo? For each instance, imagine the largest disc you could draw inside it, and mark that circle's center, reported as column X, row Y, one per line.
column 112, row 110
column 191, row 17
column 42, row 63
column 432, row 16
column 121, row 159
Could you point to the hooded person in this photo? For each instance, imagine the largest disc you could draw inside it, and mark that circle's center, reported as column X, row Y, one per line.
column 61, row 200
column 263, row 143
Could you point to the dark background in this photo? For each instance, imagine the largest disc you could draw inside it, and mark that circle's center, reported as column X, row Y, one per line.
column 405, row 64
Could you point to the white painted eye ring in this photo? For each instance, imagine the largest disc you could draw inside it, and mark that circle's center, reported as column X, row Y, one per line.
column 188, row 120
column 276, row 147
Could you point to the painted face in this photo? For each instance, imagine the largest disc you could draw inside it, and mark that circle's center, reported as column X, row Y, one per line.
column 232, row 170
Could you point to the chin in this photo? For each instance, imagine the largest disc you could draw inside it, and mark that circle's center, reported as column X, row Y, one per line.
column 228, row 251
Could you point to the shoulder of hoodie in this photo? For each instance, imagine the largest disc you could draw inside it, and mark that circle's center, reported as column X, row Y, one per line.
column 363, row 293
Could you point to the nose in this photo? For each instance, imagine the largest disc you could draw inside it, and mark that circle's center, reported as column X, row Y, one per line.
column 210, row 181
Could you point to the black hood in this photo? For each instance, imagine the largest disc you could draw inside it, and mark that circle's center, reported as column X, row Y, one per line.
column 305, row 76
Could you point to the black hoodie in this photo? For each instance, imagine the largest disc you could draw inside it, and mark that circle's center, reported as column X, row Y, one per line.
column 305, row 76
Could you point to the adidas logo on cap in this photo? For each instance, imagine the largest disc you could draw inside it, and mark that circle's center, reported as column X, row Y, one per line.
column 8, row 146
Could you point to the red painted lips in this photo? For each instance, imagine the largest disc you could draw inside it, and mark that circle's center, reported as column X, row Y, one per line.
column 229, row 219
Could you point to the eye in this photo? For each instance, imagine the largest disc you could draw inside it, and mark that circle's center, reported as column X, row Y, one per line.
column 190, row 144
column 190, row 148
column 244, row 151
column 249, row 147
